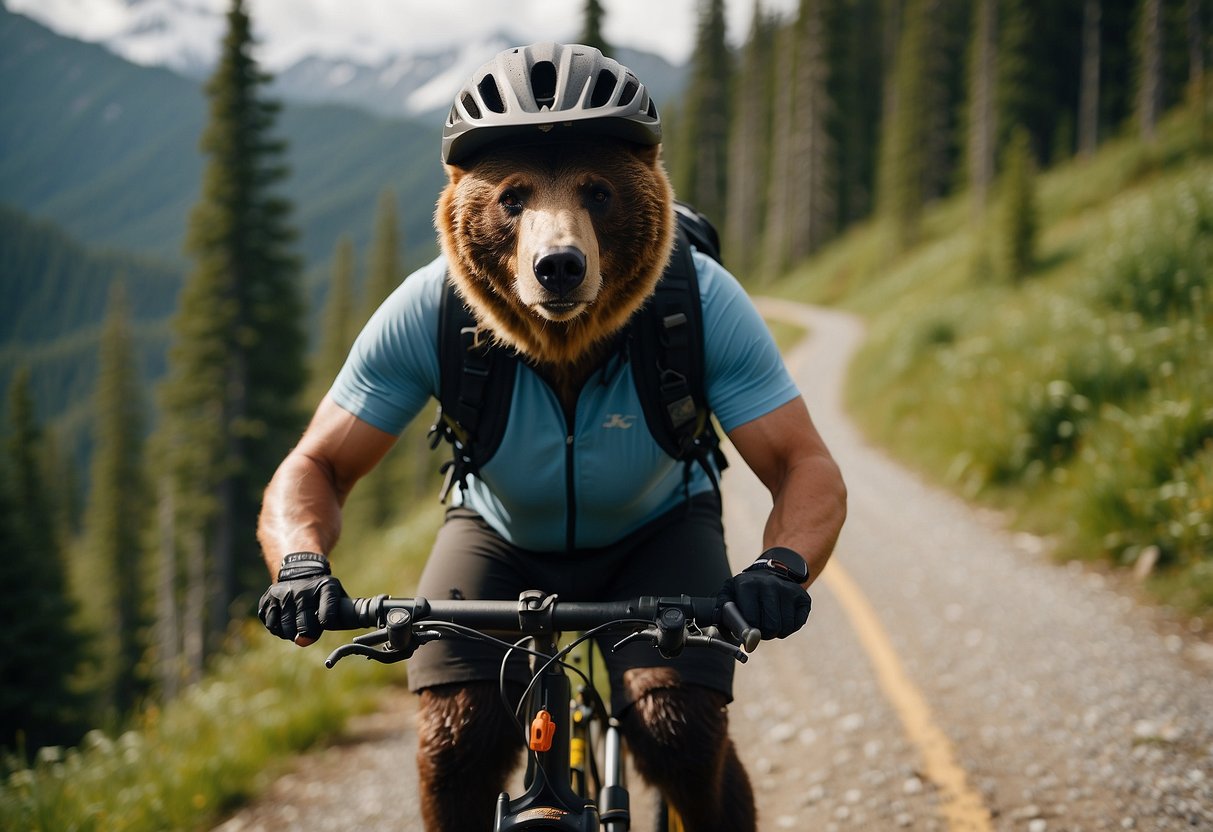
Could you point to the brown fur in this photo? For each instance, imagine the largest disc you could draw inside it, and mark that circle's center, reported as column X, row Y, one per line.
column 626, row 240
column 678, row 736
column 467, row 745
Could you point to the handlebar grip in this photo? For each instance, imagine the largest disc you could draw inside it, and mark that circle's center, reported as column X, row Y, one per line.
column 357, row 614
column 732, row 618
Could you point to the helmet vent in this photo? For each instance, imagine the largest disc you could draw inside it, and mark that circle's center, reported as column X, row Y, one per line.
column 470, row 105
column 490, row 95
column 629, row 92
column 603, row 87
column 543, row 83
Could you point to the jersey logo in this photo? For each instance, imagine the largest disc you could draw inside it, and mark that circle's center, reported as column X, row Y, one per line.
column 619, row 420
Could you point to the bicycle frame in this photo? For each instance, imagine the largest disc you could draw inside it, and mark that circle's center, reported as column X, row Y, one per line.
column 549, row 800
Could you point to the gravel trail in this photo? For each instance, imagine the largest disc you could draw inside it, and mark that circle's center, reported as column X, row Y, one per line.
column 1061, row 703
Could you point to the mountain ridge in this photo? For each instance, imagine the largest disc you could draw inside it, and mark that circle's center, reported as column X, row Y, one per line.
column 109, row 151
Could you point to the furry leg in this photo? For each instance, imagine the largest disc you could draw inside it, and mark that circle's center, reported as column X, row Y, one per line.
column 467, row 746
column 678, row 735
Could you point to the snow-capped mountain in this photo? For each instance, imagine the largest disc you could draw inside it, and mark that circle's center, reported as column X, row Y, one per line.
column 397, row 85
column 183, row 35
column 312, row 59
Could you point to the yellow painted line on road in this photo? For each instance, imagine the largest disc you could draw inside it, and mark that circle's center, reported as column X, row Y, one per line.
column 961, row 806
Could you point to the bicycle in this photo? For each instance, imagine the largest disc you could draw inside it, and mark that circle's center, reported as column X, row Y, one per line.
column 566, row 788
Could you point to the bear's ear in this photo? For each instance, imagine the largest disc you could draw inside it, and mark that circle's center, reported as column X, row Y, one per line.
column 454, row 173
column 649, row 154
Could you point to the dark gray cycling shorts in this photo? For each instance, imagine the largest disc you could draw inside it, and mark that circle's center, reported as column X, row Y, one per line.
column 680, row 553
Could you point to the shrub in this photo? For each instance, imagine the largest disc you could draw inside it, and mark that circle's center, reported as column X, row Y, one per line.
column 1150, row 481
column 1159, row 263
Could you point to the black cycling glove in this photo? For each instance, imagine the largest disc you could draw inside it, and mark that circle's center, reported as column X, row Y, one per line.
column 305, row 597
column 769, row 593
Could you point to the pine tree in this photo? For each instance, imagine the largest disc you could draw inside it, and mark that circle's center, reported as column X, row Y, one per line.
column 386, row 262
column 855, row 90
column 592, row 32
column 903, row 160
column 777, row 238
column 118, row 511
column 39, row 650
column 1149, row 67
column 231, row 400
column 702, row 176
column 1088, row 98
column 814, row 172
column 1197, row 47
column 1020, row 214
column 1016, row 93
column 982, row 126
column 385, row 488
column 749, row 146
column 339, row 326
column 918, row 144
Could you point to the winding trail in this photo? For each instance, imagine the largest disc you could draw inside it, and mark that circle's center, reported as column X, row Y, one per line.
column 950, row 678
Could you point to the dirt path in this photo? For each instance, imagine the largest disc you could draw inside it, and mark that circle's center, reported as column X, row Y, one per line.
column 950, row 678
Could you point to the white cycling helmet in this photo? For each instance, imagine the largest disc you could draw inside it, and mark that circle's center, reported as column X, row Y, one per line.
column 548, row 89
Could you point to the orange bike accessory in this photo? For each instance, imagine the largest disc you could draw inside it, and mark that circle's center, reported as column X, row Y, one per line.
column 543, row 730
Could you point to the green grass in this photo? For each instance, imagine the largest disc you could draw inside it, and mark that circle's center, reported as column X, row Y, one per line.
column 186, row 765
column 1079, row 398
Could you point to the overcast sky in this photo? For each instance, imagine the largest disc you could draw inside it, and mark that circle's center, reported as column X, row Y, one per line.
column 291, row 27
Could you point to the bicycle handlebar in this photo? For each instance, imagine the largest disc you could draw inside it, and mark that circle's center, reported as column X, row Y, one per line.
column 535, row 613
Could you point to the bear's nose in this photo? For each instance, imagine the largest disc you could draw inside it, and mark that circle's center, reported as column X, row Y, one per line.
column 560, row 269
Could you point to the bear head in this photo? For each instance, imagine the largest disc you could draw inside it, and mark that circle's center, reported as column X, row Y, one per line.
column 554, row 245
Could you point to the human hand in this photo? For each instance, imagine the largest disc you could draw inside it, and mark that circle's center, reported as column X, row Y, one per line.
column 304, row 598
column 769, row 593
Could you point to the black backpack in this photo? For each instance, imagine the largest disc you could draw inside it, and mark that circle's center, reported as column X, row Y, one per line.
column 663, row 341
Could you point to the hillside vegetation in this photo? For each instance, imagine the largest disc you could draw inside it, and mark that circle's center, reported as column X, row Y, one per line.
column 1080, row 396
column 183, row 764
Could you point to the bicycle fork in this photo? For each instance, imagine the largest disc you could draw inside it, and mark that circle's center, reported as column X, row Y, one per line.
column 549, row 801
column 613, row 799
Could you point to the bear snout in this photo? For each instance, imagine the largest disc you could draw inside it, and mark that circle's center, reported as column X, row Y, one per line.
column 560, row 269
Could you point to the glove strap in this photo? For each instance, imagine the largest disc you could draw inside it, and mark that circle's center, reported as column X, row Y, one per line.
column 303, row 565
column 783, row 562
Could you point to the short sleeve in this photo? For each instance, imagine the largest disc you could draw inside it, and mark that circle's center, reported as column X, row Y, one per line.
column 746, row 376
column 392, row 369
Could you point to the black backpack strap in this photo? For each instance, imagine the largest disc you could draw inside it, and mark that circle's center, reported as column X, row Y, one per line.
column 667, row 355
column 476, row 382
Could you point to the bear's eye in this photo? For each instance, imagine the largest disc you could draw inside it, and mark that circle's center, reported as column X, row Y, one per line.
column 598, row 196
column 511, row 201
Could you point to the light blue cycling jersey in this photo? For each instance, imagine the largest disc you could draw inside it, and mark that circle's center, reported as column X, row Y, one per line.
column 551, row 485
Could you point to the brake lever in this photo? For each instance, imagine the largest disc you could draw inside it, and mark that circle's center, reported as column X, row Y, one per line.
column 648, row 634
column 363, row 646
column 381, row 656
column 712, row 638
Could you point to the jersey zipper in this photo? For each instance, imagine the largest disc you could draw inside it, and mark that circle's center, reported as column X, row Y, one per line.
column 570, row 488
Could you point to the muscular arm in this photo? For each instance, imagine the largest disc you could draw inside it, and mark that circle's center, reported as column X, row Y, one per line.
column 810, row 501
column 301, row 511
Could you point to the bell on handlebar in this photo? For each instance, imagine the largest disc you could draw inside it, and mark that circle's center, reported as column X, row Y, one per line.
column 671, row 632
column 398, row 624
